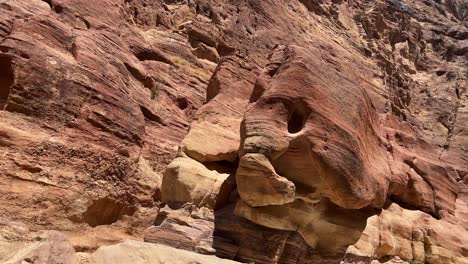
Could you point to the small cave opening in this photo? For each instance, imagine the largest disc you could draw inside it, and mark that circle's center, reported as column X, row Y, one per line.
column 223, row 166
column 440, row 72
column 182, row 103
column 296, row 121
column 106, row 211
column 58, row 9
column 408, row 206
column 7, row 79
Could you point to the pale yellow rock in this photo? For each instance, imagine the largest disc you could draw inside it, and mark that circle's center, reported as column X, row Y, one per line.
column 412, row 235
column 148, row 179
column 417, row 245
column 395, row 233
column 369, row 240
column 207, row 141
column 136, row 252
column 188, row 181
column 259, row 185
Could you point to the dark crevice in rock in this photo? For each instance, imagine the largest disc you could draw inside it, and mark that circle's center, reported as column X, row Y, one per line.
column 352, row 258
column 6, row 79
column 106, row 211
column 296, row 122
column 239, row 239
column 386, row 258
column 58, row 9
column 74, row 50
column 405, row 205
column 314, row 7
column 212, row 89
column 182, row 103
column 224, row 49
column 175, row 2
column 196, row 36
column 86, row 22
column 440, row 72
column 25, row 56
column 451, row 126
column 258, row 90
column 298, row 115
column 160, row 217
column 151, row 55
column 147, row 81
column 227, row 188
column 223, row 166
column 150, row 116
column 107, row 125
column 24, row 165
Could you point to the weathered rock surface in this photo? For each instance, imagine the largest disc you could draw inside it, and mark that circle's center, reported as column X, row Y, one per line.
column 228, row 236
column 319, row 143
column 188, row 181
column 214, row 132
column 93, row 110
column 315, row 152
column 412, row 235
column 145, row 253
column 337, row 128
column 320, row 134
column 19, row 245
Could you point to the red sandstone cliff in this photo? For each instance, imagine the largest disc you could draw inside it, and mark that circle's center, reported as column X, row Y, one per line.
column 302, row 131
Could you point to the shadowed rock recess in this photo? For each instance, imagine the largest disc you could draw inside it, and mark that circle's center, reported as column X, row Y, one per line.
column 226, row 131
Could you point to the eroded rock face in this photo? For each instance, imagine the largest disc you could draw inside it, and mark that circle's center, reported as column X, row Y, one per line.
column 214, row 134
column 317, row 133
column 318, row 145
column 393, row 233
column 327, row 124
column 308, row 142
column 19, row 245
column 188, row 181
column 145, row 253
column 92, row 109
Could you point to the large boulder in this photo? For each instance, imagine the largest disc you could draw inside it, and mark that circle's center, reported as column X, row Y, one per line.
column 188, row 181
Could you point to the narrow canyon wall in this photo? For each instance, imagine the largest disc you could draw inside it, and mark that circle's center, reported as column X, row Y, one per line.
column 304, row 131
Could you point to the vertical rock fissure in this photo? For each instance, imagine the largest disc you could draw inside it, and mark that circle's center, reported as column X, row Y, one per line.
column 6, row 80
column 451, row 127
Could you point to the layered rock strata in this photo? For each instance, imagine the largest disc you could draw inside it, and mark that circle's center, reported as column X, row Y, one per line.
column 258, row 131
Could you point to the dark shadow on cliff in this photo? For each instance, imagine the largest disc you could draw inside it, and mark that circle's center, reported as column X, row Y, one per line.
column 6, row 79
